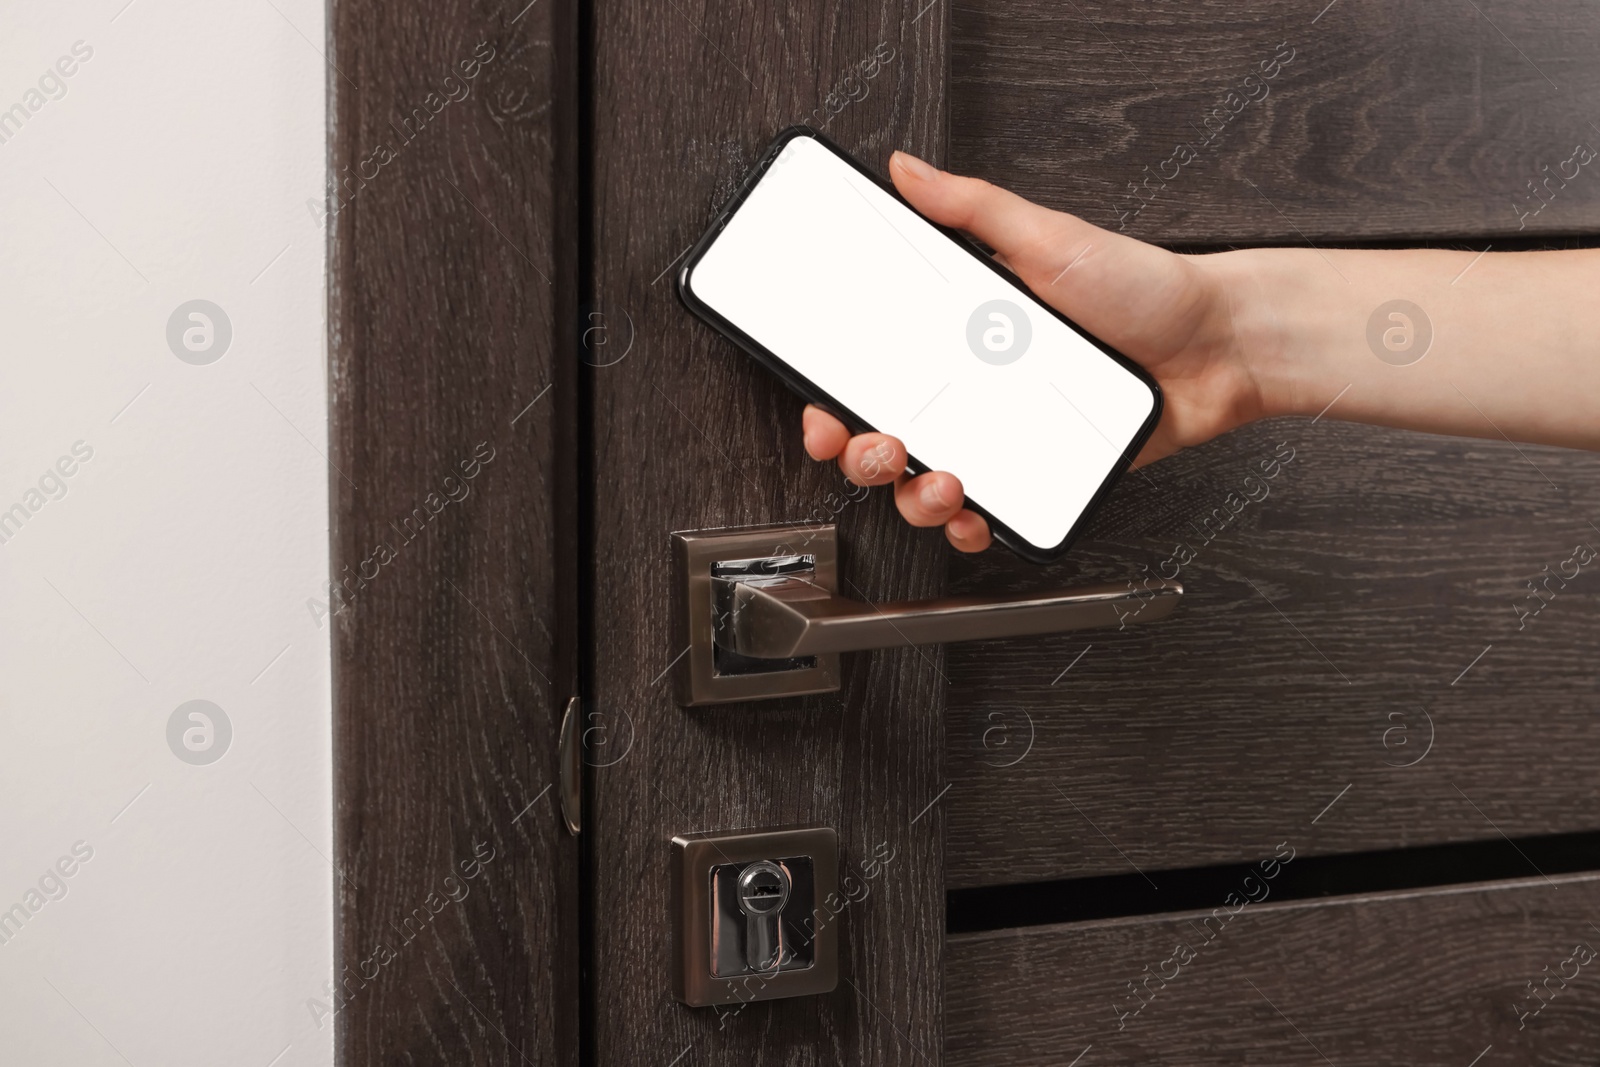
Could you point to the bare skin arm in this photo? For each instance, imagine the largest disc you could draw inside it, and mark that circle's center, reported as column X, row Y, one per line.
column 1238, row 336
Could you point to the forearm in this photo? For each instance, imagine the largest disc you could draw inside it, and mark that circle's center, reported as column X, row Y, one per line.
column 1514, row 346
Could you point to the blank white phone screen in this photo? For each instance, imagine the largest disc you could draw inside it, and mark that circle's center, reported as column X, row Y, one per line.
column 877, row 308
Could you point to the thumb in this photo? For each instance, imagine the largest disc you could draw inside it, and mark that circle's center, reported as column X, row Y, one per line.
column 1097, row 277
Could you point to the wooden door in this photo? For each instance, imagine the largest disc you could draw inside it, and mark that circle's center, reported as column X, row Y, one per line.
column 1349, row 679
column 686, row 435
column 1062, row 811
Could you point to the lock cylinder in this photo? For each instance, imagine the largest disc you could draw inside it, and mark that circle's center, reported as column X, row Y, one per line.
column 746, row 920
column 763, row 890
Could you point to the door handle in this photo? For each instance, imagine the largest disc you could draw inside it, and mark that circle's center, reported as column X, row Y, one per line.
column 759, row 614
column 788, row 617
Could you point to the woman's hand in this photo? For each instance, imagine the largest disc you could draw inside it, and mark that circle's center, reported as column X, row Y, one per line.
column 1170, row 313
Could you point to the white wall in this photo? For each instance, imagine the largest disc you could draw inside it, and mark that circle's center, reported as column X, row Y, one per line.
column 174, row 564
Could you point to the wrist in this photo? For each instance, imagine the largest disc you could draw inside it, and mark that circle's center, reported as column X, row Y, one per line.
column 1273, row 335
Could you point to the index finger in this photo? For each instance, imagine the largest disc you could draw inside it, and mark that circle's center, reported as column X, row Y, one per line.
column 825, row 436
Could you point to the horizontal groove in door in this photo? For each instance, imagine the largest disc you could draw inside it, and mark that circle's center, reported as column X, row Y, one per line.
column 1399, row 119
column 1155, row 892
column 1323, row 629
column 1543, row 243
column 1423, row 976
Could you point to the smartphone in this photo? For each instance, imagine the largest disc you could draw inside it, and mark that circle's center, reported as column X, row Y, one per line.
column 821, row 272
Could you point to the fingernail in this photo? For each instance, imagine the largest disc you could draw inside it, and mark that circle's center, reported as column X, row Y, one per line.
column 931, row 496
column 805, row 442
column 916, row 167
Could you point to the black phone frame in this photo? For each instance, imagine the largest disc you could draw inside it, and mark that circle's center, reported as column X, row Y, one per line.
column 810, row 392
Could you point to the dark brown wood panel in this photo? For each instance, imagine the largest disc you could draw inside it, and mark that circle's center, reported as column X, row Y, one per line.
column 1424, row 977
column 1176, row 120
column 690, row 434
column 1370, row 600
column 453, row 310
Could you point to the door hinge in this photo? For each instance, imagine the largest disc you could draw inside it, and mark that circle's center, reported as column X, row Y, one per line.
column 570, row 756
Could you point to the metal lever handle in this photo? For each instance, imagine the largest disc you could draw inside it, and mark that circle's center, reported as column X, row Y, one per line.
column 788, row 617
column 759, row 612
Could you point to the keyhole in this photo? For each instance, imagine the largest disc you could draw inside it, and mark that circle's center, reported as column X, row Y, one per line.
column 763, row 890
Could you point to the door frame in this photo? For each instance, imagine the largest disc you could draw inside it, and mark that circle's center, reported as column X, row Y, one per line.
column 452, row 232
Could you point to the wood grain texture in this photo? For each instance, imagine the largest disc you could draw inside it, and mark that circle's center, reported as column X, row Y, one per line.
column 1322, row 628
column 453, row 309
column 1422, row 977
column 1407, row 119
column 690, row 434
